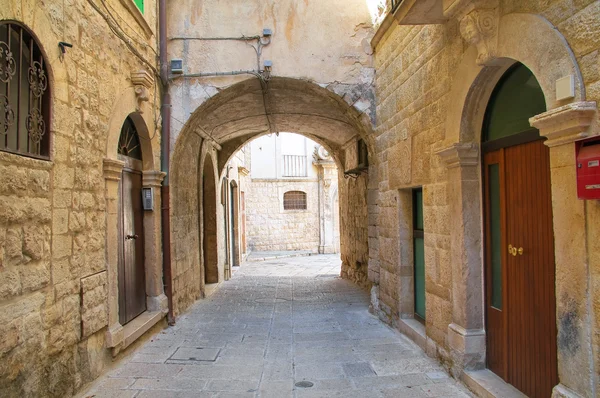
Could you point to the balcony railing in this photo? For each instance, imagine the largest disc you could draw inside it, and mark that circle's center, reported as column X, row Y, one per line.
column 294, row 166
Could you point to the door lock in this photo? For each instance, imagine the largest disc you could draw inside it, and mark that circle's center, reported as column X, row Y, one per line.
column 128, row 237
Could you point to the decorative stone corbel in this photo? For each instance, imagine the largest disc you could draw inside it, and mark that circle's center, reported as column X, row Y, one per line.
column 459, row 155
column 113, row 169
column 153, row 178
column 142, row 80
column 480, row 28
column 565, row 124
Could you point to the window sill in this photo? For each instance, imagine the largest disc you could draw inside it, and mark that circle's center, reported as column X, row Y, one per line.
column 139, row 17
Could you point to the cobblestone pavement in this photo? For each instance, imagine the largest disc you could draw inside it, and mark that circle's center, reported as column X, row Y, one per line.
column 281, row 328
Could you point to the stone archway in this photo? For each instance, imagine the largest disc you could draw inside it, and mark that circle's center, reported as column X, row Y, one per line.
column 249, row 109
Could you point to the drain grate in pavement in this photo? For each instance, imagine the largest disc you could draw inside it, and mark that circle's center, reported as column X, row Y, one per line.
column 196, row 354
column 304, row 384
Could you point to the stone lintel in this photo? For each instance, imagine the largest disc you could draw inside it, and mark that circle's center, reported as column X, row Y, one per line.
column 565, row 124
column 113, row 169
column 153, row 178
column 458, row 155
column 115, row 335
column 142, row 78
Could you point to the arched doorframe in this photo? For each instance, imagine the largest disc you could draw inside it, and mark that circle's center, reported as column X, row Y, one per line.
column 209, row 270
column 127, row 105
column 565, row 122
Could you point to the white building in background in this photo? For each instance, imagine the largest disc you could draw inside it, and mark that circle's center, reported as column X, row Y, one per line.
column 291, row 200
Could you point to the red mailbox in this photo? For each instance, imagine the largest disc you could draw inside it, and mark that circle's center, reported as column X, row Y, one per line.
column 588, row 169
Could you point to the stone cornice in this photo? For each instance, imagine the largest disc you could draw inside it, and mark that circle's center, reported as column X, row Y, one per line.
column 458, row 155
column 565, row 124
column 153, row 178
column 112, row 169
column 142, row 78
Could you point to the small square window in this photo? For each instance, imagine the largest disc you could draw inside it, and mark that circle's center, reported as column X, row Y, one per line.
column 294, row 200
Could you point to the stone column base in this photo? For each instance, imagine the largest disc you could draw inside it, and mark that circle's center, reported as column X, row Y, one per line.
column 326, row 249
column 467, row 348
column 115, row 335
column 562, row 391
column 158, row 303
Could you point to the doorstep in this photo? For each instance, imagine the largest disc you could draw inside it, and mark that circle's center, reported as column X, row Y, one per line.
column 140, row 325
column 487, row 384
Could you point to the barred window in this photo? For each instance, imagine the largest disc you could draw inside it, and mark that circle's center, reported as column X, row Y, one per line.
column 24, row 93
column 294, row 200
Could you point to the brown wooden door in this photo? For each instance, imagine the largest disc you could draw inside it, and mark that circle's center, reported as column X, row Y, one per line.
column 132, row 279
column 521, row 334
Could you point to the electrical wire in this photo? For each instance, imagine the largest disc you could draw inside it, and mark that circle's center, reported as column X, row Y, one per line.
column 141, row 44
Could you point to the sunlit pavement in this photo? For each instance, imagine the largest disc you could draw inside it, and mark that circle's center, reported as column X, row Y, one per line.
column 280, row 328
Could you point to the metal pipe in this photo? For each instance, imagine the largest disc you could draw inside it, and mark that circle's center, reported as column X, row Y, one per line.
column 241, row 38
column 165, row 152
column 213, row 74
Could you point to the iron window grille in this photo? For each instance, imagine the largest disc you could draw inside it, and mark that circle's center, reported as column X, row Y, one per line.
column 294, row 166
column 294, row 200
column 24, row 93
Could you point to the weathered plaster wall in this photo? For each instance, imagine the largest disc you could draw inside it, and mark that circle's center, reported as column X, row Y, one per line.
column 416, row 66
column 53, row 269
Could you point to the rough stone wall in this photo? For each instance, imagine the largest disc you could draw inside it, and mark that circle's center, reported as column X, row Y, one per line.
column 271, row 228
column 53, row 277
column 415, row 68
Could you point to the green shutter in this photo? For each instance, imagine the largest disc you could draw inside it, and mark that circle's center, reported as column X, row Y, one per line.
column 139, row 4
column 419, row 253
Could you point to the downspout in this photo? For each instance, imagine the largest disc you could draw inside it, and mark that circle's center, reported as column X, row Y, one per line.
column 165, row 111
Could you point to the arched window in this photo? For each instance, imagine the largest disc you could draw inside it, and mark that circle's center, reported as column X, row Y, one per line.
column 129, row 141
column 294, row 200
column 24, row 93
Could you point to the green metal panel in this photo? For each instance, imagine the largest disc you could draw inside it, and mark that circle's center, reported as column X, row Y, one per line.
column 419, row 253
column 140, row 5
column 495, row 235
column 517, row 97
column 420, row 277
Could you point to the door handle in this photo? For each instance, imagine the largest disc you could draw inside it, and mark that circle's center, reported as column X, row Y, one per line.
column 128, row 237
column 514, row 251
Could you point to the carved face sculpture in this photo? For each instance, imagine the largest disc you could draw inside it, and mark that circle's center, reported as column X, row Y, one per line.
column 469, row 30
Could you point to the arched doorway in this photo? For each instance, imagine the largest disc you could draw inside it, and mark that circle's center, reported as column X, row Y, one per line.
column 519, row 240
column 131, row 268
column 209, row 242
column 234, row 223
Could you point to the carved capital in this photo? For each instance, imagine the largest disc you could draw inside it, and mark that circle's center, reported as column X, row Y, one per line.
column 480, row 29
column 153, row 178
column 112, row 169
column 565, row 124
column 459, row 155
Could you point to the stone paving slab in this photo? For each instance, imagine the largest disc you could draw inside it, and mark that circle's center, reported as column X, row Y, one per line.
column 273, row 325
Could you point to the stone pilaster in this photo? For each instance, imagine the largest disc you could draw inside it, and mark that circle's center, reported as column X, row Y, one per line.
column 563, row 126
column 112, row 177
column 466, row 335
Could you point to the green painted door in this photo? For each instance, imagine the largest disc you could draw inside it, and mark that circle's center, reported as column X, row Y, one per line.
column 419, row 253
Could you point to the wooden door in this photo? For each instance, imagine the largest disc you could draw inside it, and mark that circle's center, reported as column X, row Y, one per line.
column 520, row 268
column 132, row 279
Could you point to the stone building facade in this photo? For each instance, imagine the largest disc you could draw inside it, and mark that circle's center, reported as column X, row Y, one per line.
column 289, row 164
column 438, row 64
column 59, row 211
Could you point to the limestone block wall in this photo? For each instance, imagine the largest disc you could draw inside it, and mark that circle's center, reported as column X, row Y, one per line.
column 418, row 70
column 54, row 294
column 270, row 227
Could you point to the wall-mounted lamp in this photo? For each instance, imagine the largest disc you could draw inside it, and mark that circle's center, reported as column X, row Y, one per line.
column 63, row 46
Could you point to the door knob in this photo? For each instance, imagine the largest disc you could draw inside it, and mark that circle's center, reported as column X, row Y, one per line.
column 131, row 237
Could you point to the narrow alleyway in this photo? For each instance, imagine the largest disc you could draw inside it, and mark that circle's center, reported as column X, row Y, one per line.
column 280, row 328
